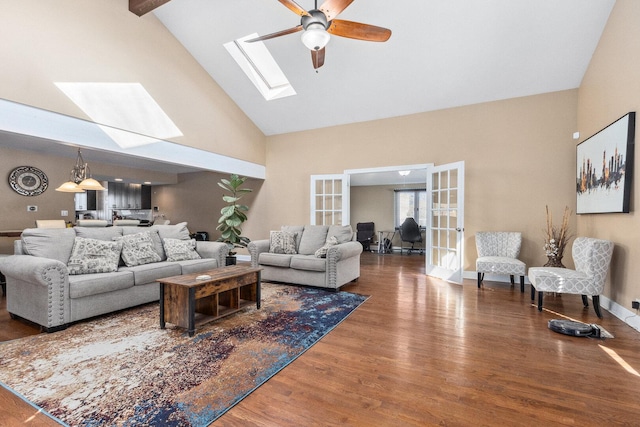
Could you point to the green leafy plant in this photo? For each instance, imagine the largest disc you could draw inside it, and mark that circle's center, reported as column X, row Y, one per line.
column 233, row 215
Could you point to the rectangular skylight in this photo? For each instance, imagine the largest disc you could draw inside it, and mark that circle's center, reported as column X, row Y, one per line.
column 258, row 64
column 126, row 106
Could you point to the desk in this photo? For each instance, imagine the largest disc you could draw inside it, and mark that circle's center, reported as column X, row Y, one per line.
column 385, row 235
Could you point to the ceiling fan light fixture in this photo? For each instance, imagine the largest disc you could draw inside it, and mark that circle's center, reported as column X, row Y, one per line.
column 315, row 37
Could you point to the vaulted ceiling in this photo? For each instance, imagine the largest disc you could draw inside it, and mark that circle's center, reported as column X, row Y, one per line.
column 441, row 54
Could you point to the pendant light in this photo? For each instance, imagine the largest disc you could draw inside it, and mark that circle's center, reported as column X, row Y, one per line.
column 80, row 178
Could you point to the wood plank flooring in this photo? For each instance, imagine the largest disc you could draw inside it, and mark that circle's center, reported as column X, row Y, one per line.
column 424, row 352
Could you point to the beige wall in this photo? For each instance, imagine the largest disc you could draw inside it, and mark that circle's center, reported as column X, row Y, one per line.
column 519, row 156
column 44, row 42
column 609, row 90
column 197, row 199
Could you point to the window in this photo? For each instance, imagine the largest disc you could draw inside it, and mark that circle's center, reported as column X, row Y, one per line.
column 410, row 203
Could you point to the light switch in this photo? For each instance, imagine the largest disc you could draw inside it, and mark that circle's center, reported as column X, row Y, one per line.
column 64, row 213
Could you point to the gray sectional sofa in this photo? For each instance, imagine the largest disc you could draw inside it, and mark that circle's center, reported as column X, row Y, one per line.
column 314, row 255
column 59, row 276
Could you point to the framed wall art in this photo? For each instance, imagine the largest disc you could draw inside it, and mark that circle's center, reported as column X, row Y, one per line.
column 604, row 168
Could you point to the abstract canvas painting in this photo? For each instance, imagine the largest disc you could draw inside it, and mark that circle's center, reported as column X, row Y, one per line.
column 605, row 167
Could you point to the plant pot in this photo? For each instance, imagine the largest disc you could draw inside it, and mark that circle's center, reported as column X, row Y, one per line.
column 230, row 260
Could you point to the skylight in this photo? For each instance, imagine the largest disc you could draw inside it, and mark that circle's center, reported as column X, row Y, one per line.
column 258, row 64
column 126, row 106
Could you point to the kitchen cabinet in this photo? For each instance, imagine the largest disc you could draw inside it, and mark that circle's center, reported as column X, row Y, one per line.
column 86, row 201
column 129, row 196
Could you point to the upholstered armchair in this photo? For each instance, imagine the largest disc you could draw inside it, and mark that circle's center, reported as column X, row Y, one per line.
column 498, row 254
column 591, row 258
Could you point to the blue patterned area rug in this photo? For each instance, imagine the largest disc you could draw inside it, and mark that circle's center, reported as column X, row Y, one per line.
column 122, row 369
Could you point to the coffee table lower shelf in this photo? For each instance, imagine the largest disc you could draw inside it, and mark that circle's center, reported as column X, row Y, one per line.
column 187, row 302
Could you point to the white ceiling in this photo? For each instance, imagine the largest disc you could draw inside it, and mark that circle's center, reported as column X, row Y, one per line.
column 441, row 54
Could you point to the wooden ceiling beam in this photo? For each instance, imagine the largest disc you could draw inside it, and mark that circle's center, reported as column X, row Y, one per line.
column 140, row 7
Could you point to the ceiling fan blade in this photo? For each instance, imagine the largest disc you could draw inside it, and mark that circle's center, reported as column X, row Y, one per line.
column 332, row 8
column 356, row 30
column 295, row 7
column 317, row 56
column 278, row 34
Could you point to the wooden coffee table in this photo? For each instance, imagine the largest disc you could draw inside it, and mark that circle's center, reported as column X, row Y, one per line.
column 186, row 301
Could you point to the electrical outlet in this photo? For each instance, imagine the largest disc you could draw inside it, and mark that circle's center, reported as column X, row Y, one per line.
column 635, row 304
column 32, row 208
column 64, row 213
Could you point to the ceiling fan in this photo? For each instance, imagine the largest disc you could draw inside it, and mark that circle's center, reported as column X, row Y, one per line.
column 319, row 23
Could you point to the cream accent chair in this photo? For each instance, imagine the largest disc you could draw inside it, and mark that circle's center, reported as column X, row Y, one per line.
column 591, row 258
column 92, row 223
column 50, row 223
column 128, row 222
column 498, row 254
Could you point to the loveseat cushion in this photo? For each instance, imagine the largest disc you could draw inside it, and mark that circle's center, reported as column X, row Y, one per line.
column 275, row 260
column 313, row 238
column 344, row 233
column 84, row 285
column 149, row 273
column 308, row 263
column 137, row 249
column 52, row 243
column 90, row 256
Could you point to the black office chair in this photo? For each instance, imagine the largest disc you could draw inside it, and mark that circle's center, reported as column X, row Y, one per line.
column 410, row 233
column 364, row 234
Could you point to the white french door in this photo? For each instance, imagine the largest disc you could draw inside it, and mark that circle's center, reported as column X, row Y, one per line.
column 445, row 226
column 330, row 199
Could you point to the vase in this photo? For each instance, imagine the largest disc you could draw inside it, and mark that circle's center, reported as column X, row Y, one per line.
column 554, row 261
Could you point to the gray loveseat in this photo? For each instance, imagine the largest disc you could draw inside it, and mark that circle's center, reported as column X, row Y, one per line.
column 59, row 276
column 314, row 255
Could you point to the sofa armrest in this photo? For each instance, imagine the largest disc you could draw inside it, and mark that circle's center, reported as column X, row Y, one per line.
column 344, row 250
column 215, row 250
column 37, row 289
column 256, row 247
column 31, row 268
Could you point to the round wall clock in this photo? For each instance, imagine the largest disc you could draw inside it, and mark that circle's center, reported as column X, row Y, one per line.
column 28, row 181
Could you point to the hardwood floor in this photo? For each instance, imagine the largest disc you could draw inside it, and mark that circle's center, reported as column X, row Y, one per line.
column 421, row 352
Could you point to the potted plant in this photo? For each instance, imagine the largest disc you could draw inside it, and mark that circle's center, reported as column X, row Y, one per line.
column 233, row 215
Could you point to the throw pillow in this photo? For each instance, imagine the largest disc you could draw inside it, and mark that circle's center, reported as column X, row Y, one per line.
column 322, row 252
column 137, row 249
column 313, row 238
column 344, row 233
column 180, row 250
column 282, row 242
column 94, row 256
